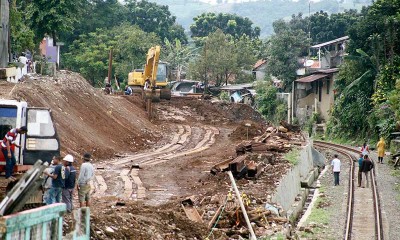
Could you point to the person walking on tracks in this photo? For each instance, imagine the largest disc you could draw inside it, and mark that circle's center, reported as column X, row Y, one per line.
column 68, row 190
column 366, row 166
column 360, row 161
column 336, row 169
column 381, row 149
column 86, row 174
column 58, row 181
column 6, row 147
column 365, row 149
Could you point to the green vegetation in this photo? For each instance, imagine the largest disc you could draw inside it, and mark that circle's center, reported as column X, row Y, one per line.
column 222, row 58
column 267, row 11
column 279, row 236
column 293, row 156
column 367, row 95
column 270, row 106
column 234, row 25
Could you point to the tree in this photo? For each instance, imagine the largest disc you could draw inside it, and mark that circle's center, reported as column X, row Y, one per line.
column 89, row 54
column 21, row 35
column 151, row 17
column 231, row 24
column 217, row 61
column 284, row 48
column 178, row 56
column 50, row 17
column 269, row 105
column 222, row 59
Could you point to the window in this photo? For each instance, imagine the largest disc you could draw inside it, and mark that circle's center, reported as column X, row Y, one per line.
column 327, row 86
column 40, row 123
column 8, row 120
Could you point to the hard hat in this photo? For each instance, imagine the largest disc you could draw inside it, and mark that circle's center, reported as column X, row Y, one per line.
column 69, row 158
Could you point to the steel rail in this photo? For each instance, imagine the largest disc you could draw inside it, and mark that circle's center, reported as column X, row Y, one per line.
column 379, row 235
column 350, row 199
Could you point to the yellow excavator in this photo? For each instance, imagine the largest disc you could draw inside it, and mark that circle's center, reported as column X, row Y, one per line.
column 153, row 79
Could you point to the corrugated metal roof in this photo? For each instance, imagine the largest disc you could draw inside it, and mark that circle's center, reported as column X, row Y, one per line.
column 331, row 42
column 331, row 70
column 237, row 86
column 311, row 78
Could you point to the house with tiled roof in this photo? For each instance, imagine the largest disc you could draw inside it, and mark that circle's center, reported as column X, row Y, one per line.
column 313, row 90
column 259, row 69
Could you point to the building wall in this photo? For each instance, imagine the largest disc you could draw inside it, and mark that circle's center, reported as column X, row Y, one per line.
column 47, row 49
column 306, row 104
column 260, row 72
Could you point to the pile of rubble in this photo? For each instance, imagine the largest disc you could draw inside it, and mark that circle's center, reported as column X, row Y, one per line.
column 258, row 166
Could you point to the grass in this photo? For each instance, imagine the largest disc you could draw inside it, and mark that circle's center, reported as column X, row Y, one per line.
column 279, row 236
column 319, row 215
column 396, row 173
column 293, row 156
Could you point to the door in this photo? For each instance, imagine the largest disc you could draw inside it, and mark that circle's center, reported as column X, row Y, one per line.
column 41, row 140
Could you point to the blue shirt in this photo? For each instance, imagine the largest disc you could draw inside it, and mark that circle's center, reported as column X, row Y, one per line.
column 62, row 173
column 360, row 160
column 70, row 180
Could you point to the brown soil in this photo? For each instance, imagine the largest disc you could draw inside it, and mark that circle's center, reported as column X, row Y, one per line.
column 88, row 120
column 248, row 130
column 85, row 118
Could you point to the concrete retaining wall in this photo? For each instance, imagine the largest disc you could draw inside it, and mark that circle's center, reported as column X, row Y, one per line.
column 289, row 186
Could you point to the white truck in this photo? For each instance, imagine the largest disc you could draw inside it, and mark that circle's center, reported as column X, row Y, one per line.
column 41, row 141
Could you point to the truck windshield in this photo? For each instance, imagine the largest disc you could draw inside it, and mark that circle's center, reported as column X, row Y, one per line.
column 162, row 72
column 8, row 120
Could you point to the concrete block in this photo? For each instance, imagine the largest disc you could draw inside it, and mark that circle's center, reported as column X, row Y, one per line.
column 316, row 173
column 294, row 212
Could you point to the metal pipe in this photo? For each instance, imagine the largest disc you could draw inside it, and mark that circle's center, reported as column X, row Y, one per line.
column 253, row 236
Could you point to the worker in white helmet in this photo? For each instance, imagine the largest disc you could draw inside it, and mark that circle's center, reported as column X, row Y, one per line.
column 68, row 189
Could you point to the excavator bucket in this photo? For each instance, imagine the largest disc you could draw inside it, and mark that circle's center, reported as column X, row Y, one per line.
column 156, row 94
column 165, row 93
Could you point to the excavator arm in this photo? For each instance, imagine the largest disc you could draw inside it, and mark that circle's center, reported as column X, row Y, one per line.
column 150, row 69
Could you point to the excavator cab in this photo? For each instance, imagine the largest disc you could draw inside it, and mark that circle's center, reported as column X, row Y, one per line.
column 152, row 81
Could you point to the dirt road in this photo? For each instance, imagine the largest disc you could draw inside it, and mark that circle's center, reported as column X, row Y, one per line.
column 145, row 168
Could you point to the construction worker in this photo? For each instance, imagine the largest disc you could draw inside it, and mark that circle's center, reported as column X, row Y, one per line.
column 7, row 148
column 68, row 189
column 47, row 182
column 128, row 90
column 58, row 180
column 86, row 174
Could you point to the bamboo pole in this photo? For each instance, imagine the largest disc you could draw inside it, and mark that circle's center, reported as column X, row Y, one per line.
column 246, row 217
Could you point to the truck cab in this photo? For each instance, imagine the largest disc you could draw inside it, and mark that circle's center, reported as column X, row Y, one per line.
column 41, row 141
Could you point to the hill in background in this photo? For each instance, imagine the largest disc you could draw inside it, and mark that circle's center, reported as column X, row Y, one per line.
column 262, row 13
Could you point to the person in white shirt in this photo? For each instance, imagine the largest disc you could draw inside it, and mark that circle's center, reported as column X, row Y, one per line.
column 24, row 60
column 336, row 169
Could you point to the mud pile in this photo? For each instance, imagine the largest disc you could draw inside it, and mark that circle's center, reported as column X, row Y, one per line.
column 85, row 118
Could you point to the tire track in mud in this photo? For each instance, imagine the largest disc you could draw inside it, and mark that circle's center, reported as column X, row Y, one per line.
column 182, row 143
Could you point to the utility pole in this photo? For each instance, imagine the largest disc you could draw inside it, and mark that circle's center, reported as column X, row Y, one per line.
column 4, row 32
column 110, row 66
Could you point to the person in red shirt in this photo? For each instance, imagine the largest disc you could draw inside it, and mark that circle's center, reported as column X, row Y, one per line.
column 6, row 143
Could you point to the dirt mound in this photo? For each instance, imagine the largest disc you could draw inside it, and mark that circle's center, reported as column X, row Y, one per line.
column 247, row 130
column 85, row 118
column 136, row 221
column 211, row 112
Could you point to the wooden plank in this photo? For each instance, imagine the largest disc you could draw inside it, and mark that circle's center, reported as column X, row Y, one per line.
column 211, row 223
column 192, row 213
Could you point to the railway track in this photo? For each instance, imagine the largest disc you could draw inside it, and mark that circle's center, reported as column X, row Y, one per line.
column 363, row 215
